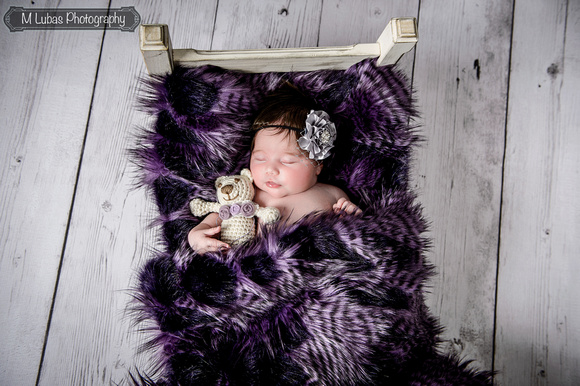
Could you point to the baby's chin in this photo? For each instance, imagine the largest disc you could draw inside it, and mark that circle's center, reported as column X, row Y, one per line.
column 274, row 192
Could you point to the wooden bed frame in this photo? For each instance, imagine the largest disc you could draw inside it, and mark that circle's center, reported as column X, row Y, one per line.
column 398, row 37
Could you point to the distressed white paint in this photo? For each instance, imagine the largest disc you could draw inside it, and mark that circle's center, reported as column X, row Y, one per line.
column 342, row 22
column 45, row 96
column 91, row 341
column 461, row 77
column 399, row 36
column 46, row 84
column 538, row 313
column 155, row 44
column 258, row 24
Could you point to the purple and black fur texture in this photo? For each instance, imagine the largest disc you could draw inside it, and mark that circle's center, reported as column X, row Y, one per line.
column 330, row 300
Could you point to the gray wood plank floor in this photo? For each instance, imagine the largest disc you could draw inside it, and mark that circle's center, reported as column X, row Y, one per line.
column 498, row 175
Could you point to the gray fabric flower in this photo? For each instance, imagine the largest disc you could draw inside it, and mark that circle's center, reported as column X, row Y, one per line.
column 318, row 136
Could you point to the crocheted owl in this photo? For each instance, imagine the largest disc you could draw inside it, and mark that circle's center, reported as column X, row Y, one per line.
column 235, row 208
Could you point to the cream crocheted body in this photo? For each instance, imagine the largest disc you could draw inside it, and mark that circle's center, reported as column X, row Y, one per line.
column 236, row 208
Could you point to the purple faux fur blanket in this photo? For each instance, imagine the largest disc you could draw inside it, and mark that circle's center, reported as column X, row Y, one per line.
column 330, row 300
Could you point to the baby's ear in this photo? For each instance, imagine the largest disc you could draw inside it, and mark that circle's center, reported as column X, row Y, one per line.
column 247, row 173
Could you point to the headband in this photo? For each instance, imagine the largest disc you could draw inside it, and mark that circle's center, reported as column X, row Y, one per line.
column 317, row 138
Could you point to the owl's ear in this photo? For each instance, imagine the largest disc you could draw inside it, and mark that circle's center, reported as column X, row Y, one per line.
column 247, row 173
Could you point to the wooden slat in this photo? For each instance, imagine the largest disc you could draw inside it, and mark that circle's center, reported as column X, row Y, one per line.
column 349, row 23
column 91, row 341
column 258, row 24
column 281, row 60
column 538, row 315
column 46, row 84
column 461, row 80
column 398, row 37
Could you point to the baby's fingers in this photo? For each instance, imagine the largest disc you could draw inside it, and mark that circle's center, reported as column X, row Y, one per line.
column 212, row 231
column 351, row 208
column 215, row 245
column 338, row 206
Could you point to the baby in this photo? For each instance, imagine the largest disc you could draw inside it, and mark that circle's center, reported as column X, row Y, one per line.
column 290, row 142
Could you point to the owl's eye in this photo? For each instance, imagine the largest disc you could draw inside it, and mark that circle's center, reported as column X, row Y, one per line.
column 219, row 185
column 236, row 180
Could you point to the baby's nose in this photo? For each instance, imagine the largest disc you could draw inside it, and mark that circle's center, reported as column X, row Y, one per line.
column 272, row 170
column 227, row 189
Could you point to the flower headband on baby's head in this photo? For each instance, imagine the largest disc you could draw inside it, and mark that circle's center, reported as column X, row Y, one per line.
column 318, row 137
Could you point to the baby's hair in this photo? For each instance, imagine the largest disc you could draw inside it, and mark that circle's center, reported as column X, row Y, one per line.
column 284, row 110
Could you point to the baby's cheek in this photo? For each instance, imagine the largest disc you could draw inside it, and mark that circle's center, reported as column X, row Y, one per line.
column 254, row 170
column 256, row 174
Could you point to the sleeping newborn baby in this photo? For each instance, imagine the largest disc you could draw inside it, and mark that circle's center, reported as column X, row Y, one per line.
column 290, row 142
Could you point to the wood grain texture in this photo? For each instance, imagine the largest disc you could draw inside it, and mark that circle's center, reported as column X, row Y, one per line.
column 461, row 73
column 257, row 24
column 279, row 59
column 342, row 23
column 398, row 37
column 91, row 341
column 538, row 312
column 460, row 76
column 46, row 85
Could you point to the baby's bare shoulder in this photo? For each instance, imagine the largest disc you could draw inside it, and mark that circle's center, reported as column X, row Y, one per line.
column 332, row 191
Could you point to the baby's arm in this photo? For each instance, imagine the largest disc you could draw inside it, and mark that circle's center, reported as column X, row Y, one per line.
column 268, row 215
column 343, row 204
column 202, row 237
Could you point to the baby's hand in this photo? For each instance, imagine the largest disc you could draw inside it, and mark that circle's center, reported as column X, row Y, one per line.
column 345, row 205
column 202, row 240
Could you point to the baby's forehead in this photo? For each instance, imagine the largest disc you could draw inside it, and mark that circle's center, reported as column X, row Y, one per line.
column 279, row 151
column 268, row 139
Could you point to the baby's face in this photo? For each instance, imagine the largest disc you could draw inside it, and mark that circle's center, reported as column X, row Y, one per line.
column 279, row 167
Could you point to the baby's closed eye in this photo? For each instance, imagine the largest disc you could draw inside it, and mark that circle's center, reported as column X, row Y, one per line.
column 258, row 157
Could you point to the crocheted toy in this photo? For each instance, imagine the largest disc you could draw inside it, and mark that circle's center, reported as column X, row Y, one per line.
column 235, row 208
